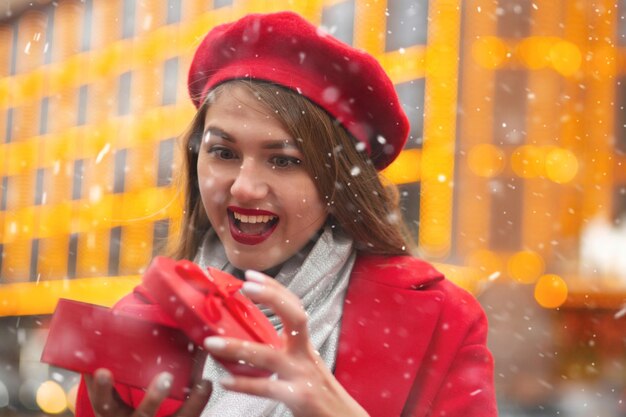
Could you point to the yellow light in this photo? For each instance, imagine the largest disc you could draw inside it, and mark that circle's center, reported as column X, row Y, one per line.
column 486, row 261
column 525, row 266
column 485, row 160
column 527, row 161
column 51, row 398
column 489, row 52
column 566, row 58
column 406, row 168
column 550, row 291
column 534, row 51
column 561, row 165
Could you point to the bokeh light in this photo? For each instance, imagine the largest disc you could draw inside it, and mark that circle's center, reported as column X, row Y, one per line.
column 485, row 160
column 485, row 260
column 489, row 52
column 534, row 51
column 51, row 398
column 550, row 291
column 565, row 57
column 525, row 266
column 527, row 161
column 561, row 165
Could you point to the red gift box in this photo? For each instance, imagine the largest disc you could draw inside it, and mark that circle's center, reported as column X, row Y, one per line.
column 84, row 337
column 208, row 304
column 139, row 340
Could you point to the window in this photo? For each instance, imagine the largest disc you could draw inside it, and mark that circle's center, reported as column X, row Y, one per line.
column 170, row 81
column 128, row 19
column 166, row 158
column 407, row 23
column 173, row 11
column 411, row 96
column 222, row 3
column 39, row 186
column 159, row 235
column 514, row 18
column 123, row 94
column 119, row 171
column 85, row 41
column 114, row 250
column 81, row 116
column 338, row 19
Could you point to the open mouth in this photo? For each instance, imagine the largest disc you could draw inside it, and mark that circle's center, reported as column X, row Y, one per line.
column 251, row 227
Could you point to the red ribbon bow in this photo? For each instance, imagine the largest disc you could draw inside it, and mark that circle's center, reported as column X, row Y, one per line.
column 221, row 291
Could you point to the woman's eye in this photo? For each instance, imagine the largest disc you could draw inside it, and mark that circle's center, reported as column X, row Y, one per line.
column 222, row 153
column 285, row 161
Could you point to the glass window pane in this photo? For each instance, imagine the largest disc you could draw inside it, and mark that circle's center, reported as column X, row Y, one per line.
column 339, row 20
column 173, row 11
column 411, row 96
column 123, row 94
column 222, row 3
column 128, row 19
column 407, row 23
column 166, row 158
column 170, row 81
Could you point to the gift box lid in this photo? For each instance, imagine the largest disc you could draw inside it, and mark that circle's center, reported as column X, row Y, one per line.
column 207, row 304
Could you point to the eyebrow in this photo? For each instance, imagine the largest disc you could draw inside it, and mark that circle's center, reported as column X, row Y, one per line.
column 269, row 144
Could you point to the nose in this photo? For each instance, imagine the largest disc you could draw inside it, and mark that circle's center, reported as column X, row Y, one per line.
column 249, row 183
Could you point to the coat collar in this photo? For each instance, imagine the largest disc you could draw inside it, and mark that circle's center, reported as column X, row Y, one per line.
column 390, row 313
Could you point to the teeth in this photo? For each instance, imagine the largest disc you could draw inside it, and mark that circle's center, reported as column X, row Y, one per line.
column 252, row 219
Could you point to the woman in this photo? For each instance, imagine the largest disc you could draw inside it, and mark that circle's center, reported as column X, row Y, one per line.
column 281, row 176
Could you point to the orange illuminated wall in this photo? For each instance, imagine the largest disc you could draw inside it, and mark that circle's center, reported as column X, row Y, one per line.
column 93, row 97
column 512, row 150
column 539, row 156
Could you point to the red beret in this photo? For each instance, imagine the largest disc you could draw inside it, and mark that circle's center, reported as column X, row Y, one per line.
column 285, row 49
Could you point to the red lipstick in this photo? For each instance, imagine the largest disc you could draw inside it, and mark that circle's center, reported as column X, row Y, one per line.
column 247, row 238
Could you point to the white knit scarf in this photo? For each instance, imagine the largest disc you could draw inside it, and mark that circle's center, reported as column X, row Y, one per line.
column 319, row 275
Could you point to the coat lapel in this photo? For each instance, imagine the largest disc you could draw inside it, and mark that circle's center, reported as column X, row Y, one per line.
column 388, row 318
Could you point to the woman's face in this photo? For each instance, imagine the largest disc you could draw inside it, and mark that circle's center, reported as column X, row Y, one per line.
column 257, row 194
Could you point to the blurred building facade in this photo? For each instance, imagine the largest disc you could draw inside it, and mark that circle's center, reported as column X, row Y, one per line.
column 513, row 179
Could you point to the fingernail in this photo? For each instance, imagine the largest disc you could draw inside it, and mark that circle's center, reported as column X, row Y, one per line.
column 101, row 376
column 226, row 381
column 252, row 288
column 255, row 276
column 214, row 343
column 164, row 381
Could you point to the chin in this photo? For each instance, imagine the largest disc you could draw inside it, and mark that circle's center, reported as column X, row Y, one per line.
column 244, row 263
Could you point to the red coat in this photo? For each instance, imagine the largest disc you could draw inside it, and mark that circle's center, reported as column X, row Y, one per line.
column 411, row 344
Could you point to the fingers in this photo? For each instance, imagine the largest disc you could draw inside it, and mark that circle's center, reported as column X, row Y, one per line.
column 265, row 290
column 280, row 390
column 255, row 354
column 157, row 391
column 197, row 400
column 100, row 388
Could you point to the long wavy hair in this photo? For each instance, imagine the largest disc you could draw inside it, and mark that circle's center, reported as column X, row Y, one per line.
column 346, row 180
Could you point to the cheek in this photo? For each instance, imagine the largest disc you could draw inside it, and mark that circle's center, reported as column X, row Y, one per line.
column 310, row 205
column 213, row 192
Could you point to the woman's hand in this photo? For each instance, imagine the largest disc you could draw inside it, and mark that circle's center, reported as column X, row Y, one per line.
column 303, row 382
column 107, row 403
